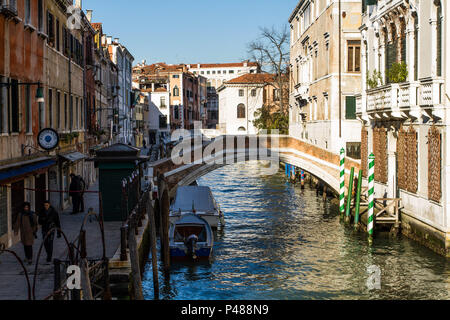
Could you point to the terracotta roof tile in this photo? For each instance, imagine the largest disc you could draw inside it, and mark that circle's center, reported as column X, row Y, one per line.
column 253, row 78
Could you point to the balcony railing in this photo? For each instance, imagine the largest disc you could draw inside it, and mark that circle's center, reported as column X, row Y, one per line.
column 408, row 96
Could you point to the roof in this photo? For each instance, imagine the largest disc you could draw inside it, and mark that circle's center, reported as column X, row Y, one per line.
column 253, row 78
column 222, row 65
column 297, row 8
column 96, row 26
column 189, row 197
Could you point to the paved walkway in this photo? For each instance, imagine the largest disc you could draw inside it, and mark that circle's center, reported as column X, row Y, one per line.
column 12, row 280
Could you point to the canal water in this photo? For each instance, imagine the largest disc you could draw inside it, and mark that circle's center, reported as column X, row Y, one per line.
column 281, row 242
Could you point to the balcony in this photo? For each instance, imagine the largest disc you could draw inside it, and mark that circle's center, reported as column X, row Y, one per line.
column 8, row 8
column 401, row 100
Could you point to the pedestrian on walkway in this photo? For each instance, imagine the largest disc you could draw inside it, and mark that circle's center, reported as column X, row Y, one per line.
column 144, row 143
column 48, row 218
column 26, row 223
column 82, row 185
column 75, row 193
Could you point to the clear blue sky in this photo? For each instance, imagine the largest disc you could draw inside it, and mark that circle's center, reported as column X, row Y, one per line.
column 175, row 31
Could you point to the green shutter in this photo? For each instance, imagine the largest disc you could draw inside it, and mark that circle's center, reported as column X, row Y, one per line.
column 350, row 108
column 439, row 41
column 416, row 49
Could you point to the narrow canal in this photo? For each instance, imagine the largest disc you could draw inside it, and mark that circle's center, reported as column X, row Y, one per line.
column 281, row 242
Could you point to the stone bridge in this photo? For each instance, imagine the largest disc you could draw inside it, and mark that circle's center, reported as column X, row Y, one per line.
column 205, row 157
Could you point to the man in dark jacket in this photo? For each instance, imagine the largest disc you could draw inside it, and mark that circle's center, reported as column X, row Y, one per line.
column 74, row 192
column 48, row 218
column 82, row 185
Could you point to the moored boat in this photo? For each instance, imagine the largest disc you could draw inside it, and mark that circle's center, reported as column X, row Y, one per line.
column 190, row 238
column 197, row 200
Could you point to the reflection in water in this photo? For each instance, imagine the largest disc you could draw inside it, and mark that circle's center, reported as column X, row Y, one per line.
column 282, row 242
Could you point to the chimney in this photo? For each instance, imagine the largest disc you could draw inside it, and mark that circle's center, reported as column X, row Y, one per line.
column 245, row 63
column 78, row 4
column 116, row 40
column 103, row 40
column 108, row 40
column 89, row 15
column 198, row 65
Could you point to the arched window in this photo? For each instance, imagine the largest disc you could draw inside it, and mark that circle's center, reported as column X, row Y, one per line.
column 176, row 91
column 241, row 129
column 241, row 111
column 439, row 37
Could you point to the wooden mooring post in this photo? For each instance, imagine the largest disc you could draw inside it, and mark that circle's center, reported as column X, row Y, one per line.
column 134, row 260
column 151, row 219
column 85, row 279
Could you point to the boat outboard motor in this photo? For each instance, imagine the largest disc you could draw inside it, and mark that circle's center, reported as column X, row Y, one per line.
column 191, row 245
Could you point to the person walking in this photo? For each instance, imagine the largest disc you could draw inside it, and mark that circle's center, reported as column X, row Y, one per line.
column 48, row 218
column 26, row 223
column 75, row 194
column 82, row 185
column 144, row 143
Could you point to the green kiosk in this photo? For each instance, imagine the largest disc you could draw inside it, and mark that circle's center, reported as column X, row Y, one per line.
column 115, row 164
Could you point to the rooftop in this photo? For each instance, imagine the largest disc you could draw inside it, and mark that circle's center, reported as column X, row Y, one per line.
column 253, row 78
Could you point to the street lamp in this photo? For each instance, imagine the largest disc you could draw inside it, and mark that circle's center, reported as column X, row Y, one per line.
column 39, row 90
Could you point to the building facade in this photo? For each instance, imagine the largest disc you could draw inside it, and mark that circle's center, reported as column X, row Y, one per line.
column 241, row 98
column 123, row 59
column 315, row 116
column 187, row 91
column 216, row 74
column 404, row 108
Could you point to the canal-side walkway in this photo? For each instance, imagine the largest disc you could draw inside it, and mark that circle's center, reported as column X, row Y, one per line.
column 12, row 280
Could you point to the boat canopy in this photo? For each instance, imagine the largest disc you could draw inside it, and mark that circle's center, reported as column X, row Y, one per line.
column 194, row 197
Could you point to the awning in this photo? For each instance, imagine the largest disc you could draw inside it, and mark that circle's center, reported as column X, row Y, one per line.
column 73, row 157
column 21, row 170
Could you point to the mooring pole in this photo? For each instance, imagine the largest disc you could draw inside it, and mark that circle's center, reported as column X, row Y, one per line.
column 302, row 179
column 350, row 195
column 342, row 183
column 370, row 221
column 358, row 198
column 151, row 217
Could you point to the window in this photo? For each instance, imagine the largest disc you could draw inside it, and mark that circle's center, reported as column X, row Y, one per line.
column 15, row 106
column 28, row 111
column 231, row 71
column 50, row 29
column 176, row 76
column 50, row 107
column 241, row 111
column 242, row 129
column 241, row 92
column 354, row 56
column 163, row 102
column 71, row 113
column 27, row 11
column 203, row 72
column 176, row 113
column 350, row 108
column 40, row 16
column 253, row 92
column 176, row 91
column 3, row 107
column 276, row 95
column 219, row 72
column 307, row 17
column 58, row 40
column 208, row 72
column 162, row 122
column 58, row 110
column 65, row 111
column 213, row 72
column 76, row 125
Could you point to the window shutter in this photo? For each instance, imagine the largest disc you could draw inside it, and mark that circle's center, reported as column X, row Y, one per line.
column 350, row 108
column 439, row 41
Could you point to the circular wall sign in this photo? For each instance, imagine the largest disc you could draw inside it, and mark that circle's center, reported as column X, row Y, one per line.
column 48, row 139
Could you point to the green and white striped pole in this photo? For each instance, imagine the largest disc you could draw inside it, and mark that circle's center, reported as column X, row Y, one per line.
column 342, row 183
column 370, row 221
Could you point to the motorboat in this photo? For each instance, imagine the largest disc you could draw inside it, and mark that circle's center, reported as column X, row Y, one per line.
column 197, row 200
column 190, row 238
